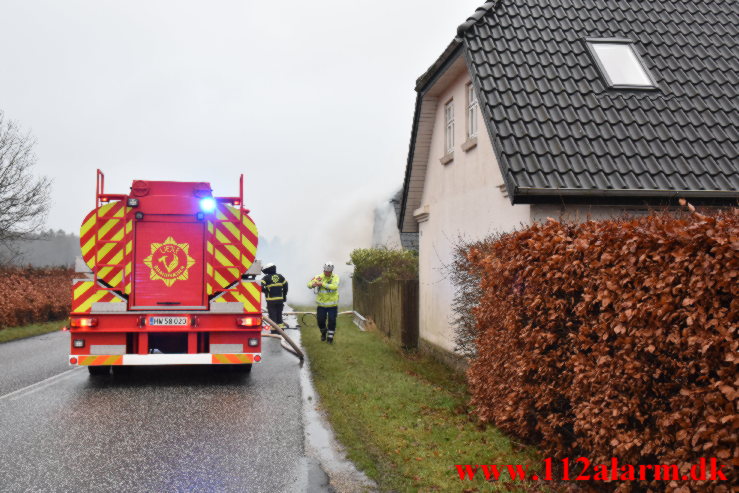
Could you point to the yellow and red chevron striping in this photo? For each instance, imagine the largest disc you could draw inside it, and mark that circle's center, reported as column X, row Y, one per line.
column 86, row 292
column 235, row 237
column 108, row 216
column 249, row 293
column 221, row 359
column 231, row 247
column 106, row 240
column 101, row 360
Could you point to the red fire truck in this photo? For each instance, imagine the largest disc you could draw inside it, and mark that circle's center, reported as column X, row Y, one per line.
column 169, row 280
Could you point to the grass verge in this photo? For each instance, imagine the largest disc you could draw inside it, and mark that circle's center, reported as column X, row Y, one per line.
column 12, row 333
column 403, row 417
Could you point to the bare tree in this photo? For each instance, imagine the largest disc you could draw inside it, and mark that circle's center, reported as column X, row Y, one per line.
column 24, row 198
column 466, row 278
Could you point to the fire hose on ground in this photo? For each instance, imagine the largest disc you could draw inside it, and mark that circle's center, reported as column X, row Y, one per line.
column 294, row 347
column 359, row 321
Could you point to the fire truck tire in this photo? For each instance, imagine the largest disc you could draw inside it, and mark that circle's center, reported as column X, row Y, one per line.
column 120, row 370
column 99, row 370
column 241, row 368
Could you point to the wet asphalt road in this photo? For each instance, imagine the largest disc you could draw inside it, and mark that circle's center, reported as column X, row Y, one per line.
column 159, row 429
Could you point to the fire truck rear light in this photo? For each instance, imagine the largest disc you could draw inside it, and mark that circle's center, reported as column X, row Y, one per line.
column 253, row 342
column 78, row 343
column 257, row 358
column 248, row 321
column 72, row 361
column 84, row 322
column 132, row 202
column 139, row 215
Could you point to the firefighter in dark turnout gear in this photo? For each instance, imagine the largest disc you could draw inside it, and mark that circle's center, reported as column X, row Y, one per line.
column 274, row 289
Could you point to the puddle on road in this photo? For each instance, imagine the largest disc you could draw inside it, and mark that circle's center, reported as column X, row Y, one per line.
column 326, row 467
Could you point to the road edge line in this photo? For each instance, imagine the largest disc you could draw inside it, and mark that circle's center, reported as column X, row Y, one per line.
column 34, row 386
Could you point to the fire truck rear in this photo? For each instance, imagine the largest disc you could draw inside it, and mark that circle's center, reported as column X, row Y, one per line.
column 169, row 280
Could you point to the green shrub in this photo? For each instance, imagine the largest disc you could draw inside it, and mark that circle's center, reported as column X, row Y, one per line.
column 384, row 264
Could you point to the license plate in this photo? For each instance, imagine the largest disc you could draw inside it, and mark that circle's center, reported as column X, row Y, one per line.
column 168, row 321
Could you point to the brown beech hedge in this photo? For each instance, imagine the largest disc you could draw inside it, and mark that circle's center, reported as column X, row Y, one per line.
column 29, row 295
column 614, row 339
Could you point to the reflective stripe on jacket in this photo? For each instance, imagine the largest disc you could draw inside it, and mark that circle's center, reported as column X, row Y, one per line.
column 328, row 294
column 274, row 287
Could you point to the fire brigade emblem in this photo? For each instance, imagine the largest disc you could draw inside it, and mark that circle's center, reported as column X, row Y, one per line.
column 169, row 261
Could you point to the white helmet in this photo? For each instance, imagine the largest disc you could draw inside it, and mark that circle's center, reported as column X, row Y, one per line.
column 328, row 266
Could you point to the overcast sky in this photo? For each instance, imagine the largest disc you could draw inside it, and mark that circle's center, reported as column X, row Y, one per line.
column 312, row 101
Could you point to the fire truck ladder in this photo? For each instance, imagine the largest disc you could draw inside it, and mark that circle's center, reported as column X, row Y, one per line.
column 239, row 248
column 118, row 245
column 238, row 201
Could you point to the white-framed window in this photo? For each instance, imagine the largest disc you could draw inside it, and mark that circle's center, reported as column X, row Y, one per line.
column 472, row 109
column 449, row 126
column 619, row 64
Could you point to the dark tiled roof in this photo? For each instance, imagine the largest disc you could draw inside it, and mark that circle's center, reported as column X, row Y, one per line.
column 408, row 241
column 557, row 128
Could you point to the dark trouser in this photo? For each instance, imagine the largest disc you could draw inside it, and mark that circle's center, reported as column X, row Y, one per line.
column 322, row 314
column 274, row 310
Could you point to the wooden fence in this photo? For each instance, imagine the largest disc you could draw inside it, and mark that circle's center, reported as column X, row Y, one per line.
column 392, row 306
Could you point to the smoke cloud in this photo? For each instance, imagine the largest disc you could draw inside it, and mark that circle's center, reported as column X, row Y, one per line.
column 361, row 224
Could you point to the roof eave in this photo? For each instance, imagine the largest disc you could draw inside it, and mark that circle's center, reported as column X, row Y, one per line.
column 408, row 165
column 433, row 73
column 524, row 195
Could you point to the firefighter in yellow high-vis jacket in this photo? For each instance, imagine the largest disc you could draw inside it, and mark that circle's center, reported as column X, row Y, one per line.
column 326, row 287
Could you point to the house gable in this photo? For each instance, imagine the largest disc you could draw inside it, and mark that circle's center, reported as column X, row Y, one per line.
column 450, row 66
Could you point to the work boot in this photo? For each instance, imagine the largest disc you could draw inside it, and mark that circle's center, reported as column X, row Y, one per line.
column 323, row 336
column 330, row 340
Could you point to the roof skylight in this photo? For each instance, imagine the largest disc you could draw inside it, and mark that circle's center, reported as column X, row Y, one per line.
column 619, row 64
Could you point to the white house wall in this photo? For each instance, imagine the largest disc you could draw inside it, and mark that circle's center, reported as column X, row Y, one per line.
column 586, row 212
column 461, row 198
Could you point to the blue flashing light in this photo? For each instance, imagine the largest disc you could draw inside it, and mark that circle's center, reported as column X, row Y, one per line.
column 208, row 204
